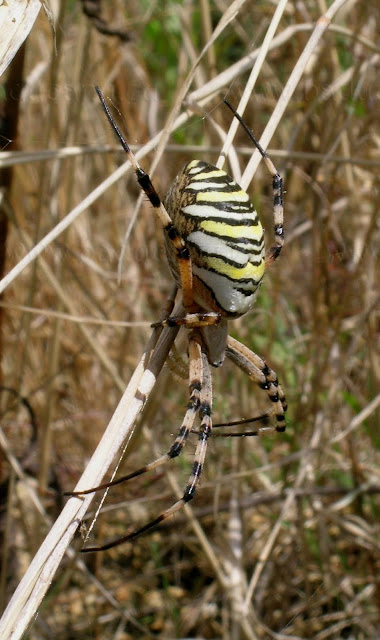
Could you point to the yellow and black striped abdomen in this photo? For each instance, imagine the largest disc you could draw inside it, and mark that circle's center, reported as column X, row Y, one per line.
column 224, row 235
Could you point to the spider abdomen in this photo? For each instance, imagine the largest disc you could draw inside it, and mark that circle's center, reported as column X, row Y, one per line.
column 224, row 235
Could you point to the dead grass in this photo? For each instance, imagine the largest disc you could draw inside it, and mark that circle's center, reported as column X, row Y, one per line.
column 286, row 538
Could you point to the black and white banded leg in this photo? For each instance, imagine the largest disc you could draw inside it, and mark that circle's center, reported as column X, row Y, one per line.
column 200, row 386
column 181, row 249
column 259, row 372
column 278, row 194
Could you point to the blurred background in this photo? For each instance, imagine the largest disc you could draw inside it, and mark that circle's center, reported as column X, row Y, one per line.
column 287, row 525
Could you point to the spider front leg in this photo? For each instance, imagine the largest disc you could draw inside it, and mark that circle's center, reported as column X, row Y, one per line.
column 200, row 401
column 262, row 375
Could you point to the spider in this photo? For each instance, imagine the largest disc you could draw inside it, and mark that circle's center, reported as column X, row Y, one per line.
column 214, row 243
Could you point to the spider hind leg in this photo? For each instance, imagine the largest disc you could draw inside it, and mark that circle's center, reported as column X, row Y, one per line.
column 278, row 194
column 181, row 251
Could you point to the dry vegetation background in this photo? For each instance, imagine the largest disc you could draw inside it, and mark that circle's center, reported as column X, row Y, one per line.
column 290, row 522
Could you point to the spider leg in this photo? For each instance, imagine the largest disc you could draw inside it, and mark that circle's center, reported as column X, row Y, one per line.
column 278, row 194
column 195, row 385
column 191, row 320
column 278, row 214
column 181, row 250
column 262, row 375
column 264, row 418
column 200, row 401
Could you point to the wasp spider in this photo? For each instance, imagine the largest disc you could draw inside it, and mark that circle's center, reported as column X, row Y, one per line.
column 215, row 247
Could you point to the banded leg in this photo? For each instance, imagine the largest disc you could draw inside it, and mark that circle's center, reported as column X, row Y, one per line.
column 262, row 375
column 181, row 250
column 200, row 402
column 278, row 194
